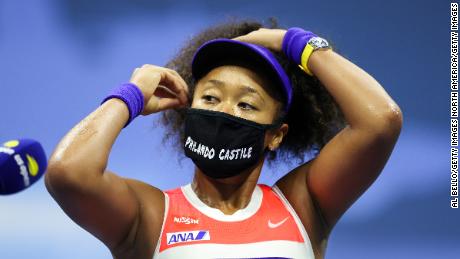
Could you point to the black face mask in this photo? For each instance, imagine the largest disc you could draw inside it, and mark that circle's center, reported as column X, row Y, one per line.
column 222, row 145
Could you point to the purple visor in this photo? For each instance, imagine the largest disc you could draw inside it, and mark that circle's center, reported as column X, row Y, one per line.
column 220, row 51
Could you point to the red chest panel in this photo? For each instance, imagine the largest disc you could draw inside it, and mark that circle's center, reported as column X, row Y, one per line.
column 187, row 221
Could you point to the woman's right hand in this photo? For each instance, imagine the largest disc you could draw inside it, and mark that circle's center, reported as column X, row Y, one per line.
column 163, row 88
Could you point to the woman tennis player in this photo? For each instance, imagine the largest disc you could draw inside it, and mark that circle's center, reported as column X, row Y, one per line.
column 235, row 95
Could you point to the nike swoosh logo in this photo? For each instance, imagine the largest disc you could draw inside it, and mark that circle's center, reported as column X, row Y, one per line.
column 275, row 225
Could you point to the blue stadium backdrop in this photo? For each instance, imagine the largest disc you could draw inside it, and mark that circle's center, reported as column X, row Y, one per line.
column 59, row 58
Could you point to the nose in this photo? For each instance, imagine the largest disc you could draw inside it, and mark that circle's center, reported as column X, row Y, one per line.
column 226, row 107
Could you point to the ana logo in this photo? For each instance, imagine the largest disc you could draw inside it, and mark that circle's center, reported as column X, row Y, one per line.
column 186, row 220
column 188, row 236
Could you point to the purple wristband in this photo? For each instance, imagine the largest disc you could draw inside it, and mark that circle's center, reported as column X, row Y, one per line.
column 132, row 96
column 294, row 42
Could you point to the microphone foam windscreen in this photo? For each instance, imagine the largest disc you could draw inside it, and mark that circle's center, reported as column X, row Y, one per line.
column 22, row 163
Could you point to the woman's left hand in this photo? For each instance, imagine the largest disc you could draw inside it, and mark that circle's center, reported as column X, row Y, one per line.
column 269, row 38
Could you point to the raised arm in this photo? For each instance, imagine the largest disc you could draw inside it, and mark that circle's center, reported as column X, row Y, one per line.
column 325, row 187
column 77, row 179
column 352, row 160
column 106, row 205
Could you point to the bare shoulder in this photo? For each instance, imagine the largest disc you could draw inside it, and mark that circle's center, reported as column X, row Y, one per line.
column 142, row 240
column 144, row 190
column 294, row 188
column 152, row 202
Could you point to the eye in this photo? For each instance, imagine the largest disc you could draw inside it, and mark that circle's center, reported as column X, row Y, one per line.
column 246, row 106
column 209, row 98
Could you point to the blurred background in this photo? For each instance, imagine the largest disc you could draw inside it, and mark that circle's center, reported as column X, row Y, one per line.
column 59, row 59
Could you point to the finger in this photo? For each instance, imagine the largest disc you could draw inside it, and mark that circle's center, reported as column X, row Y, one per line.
column 240, row 38
column 173, row 82
column 249, row 37
column 169, row 103
column 136, row 70
column 151, row 106
column 173, row 72
column 170, row 79
column 180, row 78
column 183, row 84
column 164, row 92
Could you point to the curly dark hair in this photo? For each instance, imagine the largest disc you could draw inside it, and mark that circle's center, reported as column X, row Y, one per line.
column 313, row 119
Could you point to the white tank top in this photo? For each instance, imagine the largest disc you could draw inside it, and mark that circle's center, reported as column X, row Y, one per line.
column 267, row 228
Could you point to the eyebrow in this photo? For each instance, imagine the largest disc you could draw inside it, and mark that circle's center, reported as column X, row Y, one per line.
column 246, row 88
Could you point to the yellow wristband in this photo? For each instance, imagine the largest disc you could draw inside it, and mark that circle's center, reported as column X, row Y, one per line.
column 306, row 53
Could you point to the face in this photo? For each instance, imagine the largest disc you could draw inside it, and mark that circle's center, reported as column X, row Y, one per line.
column 240, row 92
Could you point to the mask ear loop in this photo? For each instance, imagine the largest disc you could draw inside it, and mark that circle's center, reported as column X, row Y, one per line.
column 277, row 123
